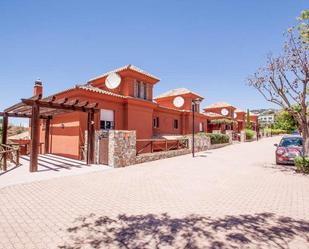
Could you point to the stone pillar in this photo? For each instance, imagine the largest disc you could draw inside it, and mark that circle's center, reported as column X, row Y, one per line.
column 121, row 148
column 243, row 136
column 230, row 134
column 201, row 142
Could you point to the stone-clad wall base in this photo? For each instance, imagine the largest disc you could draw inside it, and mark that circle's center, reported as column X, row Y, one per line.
column 217, row 146
column 147, row 157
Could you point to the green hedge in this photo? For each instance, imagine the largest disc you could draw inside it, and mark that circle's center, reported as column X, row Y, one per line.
column 217, row 138
column 276, row 131
column 249, row 134
column 302, row 164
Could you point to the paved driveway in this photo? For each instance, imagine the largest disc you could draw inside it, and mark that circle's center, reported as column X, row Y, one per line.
column 233, row 197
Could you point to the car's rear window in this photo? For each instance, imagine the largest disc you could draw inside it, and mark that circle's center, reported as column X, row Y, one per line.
column 291, row 141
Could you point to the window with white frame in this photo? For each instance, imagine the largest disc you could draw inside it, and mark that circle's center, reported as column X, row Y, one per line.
column 107, row 120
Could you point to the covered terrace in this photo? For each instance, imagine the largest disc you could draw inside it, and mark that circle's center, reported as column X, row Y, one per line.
column 37, row 109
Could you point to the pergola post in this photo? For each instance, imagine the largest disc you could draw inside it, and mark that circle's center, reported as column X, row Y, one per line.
column 35, row 137
column 47, row 132
column 90, row 138
column 5, row 122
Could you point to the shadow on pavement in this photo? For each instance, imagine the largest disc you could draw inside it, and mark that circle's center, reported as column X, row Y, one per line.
column 282, row 168
column 193, row 231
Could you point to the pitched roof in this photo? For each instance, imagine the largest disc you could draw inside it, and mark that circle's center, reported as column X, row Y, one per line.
column 218, row 105
column 254, row 114
column 131, row 67
column 176, row 92
column 90, row 89
column 99, row 90
column 212, row 114
column 239, row 110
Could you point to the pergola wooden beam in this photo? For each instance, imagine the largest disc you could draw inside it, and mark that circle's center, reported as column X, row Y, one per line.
column 20, row 115
column 53, row 105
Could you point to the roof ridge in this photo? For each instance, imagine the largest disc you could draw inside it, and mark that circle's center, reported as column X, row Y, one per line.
column 128, row 66
column 177, row 91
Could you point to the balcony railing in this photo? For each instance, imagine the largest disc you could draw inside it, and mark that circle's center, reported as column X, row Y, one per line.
column 157, row 145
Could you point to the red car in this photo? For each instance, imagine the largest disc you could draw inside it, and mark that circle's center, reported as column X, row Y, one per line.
column 289, row 147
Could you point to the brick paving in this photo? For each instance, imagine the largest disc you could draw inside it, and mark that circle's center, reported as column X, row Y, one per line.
column 233, row 197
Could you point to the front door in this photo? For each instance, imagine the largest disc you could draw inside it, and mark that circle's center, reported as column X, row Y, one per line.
column 102, row 141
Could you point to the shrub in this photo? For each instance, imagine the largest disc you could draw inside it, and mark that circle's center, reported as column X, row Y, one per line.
column 223, row 121
column 275, row 131
column 217, row 138
column 249, row 134
column 302, row 164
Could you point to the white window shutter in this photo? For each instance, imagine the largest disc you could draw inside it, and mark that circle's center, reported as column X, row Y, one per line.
column 135, row 89
column 141, row 90
column 146, row 91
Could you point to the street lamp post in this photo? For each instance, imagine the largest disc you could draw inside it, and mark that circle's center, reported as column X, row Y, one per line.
column 195, row 102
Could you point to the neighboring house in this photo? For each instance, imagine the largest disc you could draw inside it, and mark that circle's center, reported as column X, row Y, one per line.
column 267, row 117
column 223, row 117
column 254, row 121
column 240, row 117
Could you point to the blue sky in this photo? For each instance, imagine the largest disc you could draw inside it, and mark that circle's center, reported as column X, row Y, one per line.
column 207, row 46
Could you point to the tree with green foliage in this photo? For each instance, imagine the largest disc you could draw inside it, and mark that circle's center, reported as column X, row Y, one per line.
column 284, row 79
column 285, row 121
column 248, row 121
column 303, row 26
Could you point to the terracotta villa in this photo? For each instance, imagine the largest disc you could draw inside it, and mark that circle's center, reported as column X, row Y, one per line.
column 124, row 101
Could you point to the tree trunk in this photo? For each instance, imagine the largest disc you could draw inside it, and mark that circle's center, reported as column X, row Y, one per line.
column 305, row 135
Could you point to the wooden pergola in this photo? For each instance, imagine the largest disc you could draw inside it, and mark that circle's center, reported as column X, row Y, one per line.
column 36, row 109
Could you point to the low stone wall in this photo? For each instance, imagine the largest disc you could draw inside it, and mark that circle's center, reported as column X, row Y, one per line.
column 217, row 146
column 242, row 136
column 147, row 157
column 122, row 148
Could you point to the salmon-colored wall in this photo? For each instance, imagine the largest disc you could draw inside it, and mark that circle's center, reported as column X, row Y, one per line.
column 139, row 118
column 65, row 135
column 166, row 122
column 241, row 121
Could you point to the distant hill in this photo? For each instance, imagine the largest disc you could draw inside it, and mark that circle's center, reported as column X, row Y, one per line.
column 259, row 111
